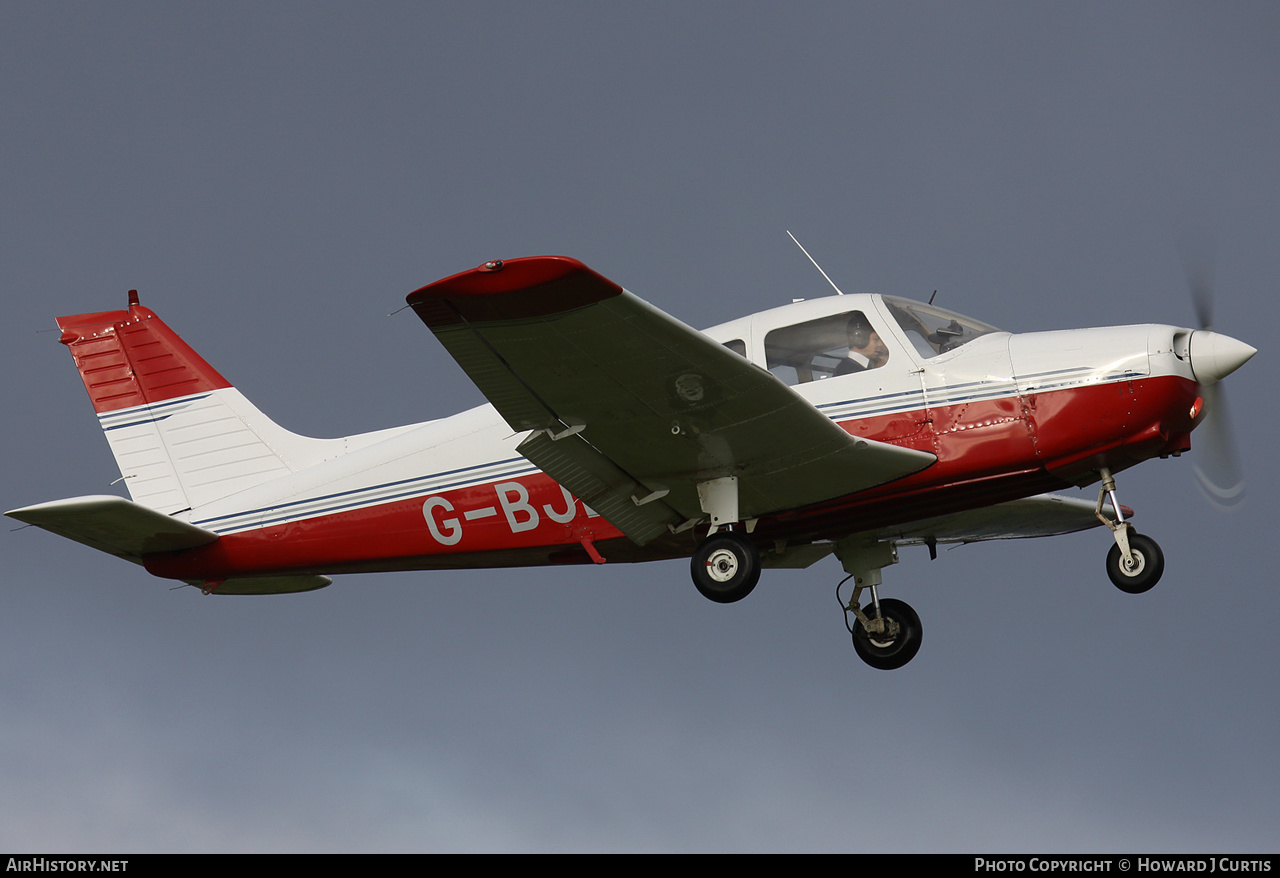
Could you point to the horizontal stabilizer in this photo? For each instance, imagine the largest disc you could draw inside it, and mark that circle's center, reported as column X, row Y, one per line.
column 114, row 525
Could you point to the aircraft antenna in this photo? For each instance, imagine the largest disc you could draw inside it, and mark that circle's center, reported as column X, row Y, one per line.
column 816, row 265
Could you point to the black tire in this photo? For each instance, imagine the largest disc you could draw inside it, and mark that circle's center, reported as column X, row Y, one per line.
column 885, row 654
column 1147, row 568
column 726, row 567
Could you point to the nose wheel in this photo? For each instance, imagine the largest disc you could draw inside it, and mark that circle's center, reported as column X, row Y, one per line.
column 1135, row 563
column 1141, row 570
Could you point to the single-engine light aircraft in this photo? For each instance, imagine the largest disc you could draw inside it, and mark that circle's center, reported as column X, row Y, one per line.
column 851, row 424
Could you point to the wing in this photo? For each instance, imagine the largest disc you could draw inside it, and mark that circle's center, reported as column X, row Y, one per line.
column 1045, row 515
column 632, row 410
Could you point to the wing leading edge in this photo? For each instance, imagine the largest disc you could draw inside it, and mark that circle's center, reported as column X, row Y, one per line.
column 1044, row 515
column 630, row 409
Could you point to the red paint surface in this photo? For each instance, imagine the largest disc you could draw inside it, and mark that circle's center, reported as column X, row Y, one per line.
column 988, row 452
column 127, row 358
column 533, row 286
column 1113, row 425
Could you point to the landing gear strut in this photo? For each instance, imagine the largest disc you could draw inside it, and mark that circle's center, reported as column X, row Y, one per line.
column 1135, row 563
column 886, row 633
column 727, row 565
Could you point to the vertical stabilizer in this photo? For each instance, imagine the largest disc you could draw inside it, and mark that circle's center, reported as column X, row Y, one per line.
column 181, row 434
column 131, row 358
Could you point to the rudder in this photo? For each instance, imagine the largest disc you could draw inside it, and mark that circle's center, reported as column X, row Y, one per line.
column 181, row 434
column 131, row 358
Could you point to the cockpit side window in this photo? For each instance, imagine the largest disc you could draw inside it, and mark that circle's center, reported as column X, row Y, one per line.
column 934, row 331
column 830, row 346
column 738, row 346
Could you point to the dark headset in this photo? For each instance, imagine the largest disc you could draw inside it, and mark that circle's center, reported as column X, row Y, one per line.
column 859, row 332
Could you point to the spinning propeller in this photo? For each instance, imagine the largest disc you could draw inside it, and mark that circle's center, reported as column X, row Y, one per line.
column 1213, row 357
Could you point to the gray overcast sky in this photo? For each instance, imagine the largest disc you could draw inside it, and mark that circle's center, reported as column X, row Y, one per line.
column 275, row 177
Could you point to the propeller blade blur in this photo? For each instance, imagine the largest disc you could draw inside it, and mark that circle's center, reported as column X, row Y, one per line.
column 1198, row 261
column 1217, row 463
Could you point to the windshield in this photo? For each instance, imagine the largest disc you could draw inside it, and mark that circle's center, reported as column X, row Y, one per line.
column 932, row 330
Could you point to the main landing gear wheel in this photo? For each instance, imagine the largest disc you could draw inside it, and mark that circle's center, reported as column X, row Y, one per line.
column 894, row 647
column 1144, row 572
column 726, row 567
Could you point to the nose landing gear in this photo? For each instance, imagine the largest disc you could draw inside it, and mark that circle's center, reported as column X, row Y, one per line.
column 1135, row 563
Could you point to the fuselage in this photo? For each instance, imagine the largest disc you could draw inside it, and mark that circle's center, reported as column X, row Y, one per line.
column 1007, row 416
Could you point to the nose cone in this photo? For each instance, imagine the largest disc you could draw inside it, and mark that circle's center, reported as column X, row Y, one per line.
column 1214, row 356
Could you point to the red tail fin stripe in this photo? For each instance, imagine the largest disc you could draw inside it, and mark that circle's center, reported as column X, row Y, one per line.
column 131, row 358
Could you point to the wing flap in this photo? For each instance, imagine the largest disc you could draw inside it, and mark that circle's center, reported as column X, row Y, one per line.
column 596, row 481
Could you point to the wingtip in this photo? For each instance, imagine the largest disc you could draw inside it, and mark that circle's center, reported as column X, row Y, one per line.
column 507, row 289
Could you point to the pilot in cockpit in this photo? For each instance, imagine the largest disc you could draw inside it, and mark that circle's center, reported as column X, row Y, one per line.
column 866, row 349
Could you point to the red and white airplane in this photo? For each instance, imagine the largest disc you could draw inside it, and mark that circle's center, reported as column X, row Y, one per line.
column 849, row 425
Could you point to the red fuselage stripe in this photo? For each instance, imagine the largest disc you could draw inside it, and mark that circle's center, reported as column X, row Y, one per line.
column 988, row 451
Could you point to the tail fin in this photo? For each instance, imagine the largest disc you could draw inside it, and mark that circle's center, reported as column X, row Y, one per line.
column 181, row 434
